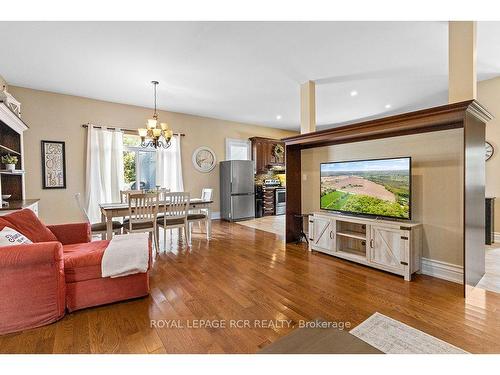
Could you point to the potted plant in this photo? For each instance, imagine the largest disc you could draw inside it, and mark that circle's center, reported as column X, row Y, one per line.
column 10, row 162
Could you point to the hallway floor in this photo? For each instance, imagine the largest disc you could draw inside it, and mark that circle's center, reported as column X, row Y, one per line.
column 271, row 224
column 491, row 280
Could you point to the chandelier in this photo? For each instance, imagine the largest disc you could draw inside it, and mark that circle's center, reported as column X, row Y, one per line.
column 155, row 134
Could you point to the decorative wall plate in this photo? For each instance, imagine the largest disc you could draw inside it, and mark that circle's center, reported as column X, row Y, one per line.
column 204, row 159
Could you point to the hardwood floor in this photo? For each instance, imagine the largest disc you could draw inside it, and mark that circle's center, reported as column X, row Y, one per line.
column 244, row 273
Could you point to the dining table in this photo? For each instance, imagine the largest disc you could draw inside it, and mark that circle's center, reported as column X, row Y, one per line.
column 119, row 210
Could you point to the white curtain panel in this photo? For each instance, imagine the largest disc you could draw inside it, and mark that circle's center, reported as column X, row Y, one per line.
column 169, row 166
column 104, row 169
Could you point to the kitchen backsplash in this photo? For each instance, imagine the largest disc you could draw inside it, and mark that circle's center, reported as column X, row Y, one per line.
column 259, row 178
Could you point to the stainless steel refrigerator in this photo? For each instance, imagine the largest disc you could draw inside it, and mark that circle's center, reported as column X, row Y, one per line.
column 237, row 190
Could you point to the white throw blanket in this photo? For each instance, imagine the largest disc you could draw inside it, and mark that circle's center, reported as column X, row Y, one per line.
column 125, row 255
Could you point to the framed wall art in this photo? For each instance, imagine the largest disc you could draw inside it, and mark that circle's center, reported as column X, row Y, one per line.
column 53, row 165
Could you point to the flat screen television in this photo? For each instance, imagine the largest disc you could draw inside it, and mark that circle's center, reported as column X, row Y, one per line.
column 377, row 187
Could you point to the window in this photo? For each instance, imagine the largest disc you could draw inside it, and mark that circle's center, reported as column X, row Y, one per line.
column 138, row 161
column 238, row 149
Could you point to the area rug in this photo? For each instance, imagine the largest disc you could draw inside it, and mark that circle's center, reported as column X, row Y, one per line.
column 319, row 341
column 393, row 337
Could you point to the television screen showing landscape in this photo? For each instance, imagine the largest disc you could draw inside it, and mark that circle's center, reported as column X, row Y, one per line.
column 369, row 187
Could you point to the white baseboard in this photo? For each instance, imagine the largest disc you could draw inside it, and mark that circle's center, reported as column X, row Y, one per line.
column 215, row 215
column 443, row 270
column 496, row 236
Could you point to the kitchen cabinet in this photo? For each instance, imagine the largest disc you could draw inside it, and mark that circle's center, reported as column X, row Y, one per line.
column 268, row 201
column 266, row 154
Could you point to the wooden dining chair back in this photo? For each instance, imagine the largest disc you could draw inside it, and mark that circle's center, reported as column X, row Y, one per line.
column 201, row 216
column 142, row 207
column 97, row 228
column 79, row 202
column 142, row 211
column 177, row 205
column 162, row 192
column 174, row 214
column 124, row 194
column 206, row 194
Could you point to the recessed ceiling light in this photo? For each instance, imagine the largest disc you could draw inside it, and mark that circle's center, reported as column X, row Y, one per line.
column 354, row 93
column 278, row 117
column 387, row 106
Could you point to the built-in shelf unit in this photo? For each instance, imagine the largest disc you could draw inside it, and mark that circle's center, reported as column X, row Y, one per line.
column 11, row 142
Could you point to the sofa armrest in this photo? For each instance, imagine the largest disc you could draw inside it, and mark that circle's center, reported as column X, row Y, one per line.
column 69, row 234
column 30, row 254
column 32, row 286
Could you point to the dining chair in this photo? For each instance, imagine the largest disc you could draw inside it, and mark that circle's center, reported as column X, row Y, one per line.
column 162, row 192
column 142, row 211
column 206, row 194
column 201, row 215
column 125, row 193
column 97, row 228
column 174, row 215
column 162, row 198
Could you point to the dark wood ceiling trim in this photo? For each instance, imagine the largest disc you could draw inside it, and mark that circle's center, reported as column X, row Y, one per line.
column 432, row 119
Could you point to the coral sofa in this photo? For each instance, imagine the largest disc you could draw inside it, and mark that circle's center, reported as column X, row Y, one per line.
column 60, row 270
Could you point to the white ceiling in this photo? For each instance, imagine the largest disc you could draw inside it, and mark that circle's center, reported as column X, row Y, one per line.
column 243, row 71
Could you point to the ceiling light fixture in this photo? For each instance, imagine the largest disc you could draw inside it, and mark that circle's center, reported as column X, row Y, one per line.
column 278, row 117
column 155, row 134
column 387, row 106
column 354, row 93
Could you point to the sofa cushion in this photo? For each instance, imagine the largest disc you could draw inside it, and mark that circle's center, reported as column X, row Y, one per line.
column 83, row 261
column 26, row 222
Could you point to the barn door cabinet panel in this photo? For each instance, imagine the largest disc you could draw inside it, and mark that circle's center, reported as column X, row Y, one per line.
column 387, row 245
column 323, row 230
column 388, row 248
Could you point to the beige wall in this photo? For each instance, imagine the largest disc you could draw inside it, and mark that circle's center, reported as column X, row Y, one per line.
column 437, row 161
column 489, row 95
column 59, row 117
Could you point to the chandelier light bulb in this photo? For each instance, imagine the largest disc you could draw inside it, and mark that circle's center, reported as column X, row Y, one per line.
column 151, row 123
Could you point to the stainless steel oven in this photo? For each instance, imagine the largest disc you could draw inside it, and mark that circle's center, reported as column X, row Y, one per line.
column 280, row 201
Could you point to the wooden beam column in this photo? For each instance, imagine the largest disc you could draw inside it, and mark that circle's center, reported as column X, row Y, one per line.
column 307, row 107
column 462, row 85
column 462, row 81
column 293, row 192
column 293, row 161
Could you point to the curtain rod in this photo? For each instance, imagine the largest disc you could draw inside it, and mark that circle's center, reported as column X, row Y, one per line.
column 130, row 131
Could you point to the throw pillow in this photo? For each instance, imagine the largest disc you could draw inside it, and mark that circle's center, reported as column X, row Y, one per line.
column 26, row 222
column 9, row 237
